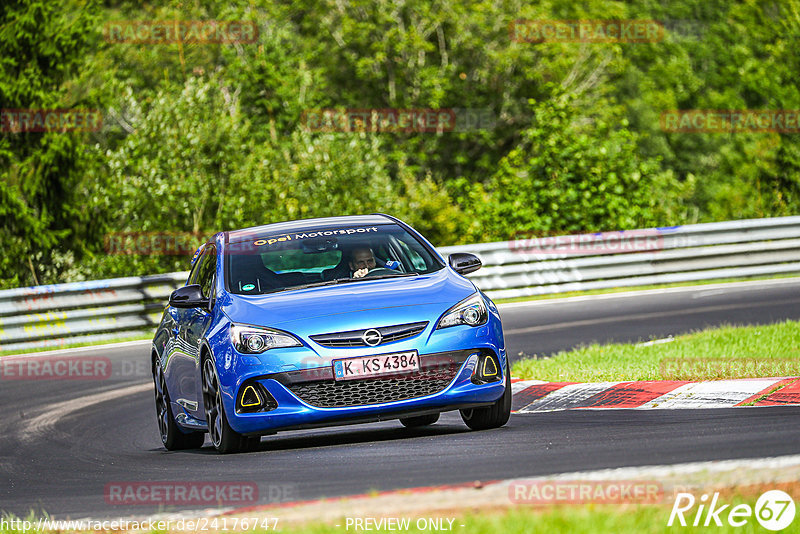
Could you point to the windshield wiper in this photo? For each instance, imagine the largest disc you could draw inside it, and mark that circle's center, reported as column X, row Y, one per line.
column 320, row 284
column 339, row 281
column 343, row 281
column 398, row 275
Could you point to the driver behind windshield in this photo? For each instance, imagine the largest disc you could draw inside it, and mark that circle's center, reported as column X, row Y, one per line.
column 362, row 261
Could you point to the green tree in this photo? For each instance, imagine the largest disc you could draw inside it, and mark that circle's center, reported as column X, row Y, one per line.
column 569, row 174
column 44, row 216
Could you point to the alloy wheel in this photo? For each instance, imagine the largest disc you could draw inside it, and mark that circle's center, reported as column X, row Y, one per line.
column 212, row 400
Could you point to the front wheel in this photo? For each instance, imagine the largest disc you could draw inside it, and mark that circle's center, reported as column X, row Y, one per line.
column 493, row 416
column 223, row 437
column 172, row 436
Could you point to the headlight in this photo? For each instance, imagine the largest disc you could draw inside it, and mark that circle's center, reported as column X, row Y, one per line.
column 252, row 340
column 471, row 311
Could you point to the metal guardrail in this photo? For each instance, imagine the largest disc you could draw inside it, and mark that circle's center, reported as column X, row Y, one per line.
column 54, row 315
column 731, row 249
column 44, row 316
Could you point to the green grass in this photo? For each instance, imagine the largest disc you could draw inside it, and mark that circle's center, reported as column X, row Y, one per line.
column 727, row 352
column 642, row 288
column 587, row 519
column 78, row 344
column 578, row 519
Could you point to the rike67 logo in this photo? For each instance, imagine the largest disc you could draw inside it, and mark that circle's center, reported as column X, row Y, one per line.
column 774, row 510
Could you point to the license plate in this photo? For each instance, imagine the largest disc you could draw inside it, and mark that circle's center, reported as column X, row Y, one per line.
column 367, row 366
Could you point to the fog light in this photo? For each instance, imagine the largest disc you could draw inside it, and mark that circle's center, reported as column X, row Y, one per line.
column 250, row 397
column 254, row 398
column 487, row 369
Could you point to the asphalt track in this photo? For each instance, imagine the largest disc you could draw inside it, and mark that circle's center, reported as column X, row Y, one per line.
column 63, row 442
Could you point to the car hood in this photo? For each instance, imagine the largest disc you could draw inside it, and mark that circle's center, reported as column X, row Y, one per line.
column 385, row 301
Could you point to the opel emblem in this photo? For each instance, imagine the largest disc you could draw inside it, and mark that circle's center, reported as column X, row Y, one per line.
column 372, row 337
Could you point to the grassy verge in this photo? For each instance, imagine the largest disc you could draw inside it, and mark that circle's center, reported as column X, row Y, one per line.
column 148, row 335
column 727, row 352
column 642, row 288
column 500, row 508
column 586, row 519
column 523, row 519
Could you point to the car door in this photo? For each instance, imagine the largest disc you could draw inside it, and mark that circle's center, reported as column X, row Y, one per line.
column 197, row 323
column 181, row 367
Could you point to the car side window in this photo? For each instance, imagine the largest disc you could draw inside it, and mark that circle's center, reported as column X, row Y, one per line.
column 193, row 271
column 205, row 274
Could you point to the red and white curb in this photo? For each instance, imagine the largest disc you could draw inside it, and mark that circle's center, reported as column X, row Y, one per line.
column 538, row 396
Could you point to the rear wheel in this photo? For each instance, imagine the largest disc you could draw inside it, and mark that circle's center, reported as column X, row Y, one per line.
column 172, row 436
column 420, row 420
column 493, row 416
column 223, row 437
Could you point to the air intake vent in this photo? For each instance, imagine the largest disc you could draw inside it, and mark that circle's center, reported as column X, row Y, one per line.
column 331, row 394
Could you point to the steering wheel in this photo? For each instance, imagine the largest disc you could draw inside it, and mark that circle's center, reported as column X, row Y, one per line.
column 378, row 271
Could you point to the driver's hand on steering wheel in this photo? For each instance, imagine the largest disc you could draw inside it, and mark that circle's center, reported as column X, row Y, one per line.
column 361, row 261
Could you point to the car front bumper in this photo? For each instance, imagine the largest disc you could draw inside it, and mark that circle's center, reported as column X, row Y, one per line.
column 292, row 412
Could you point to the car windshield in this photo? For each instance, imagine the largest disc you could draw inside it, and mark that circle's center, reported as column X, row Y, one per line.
column 324, row 256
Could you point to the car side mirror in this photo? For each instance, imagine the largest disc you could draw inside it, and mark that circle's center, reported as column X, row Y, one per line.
column 188, row 297
column 464, row 263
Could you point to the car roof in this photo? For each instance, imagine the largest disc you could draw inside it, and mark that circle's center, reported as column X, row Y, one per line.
column 237, row 236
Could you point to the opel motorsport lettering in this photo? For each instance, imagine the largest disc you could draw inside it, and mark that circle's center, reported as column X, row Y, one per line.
column 282, row 327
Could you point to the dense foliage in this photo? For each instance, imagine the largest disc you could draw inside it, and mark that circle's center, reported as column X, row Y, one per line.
column 201, row 137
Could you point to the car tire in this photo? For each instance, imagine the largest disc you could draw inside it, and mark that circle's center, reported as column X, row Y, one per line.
column 224, row 438
column 172, row 436
column 493, row 416
column 420, row 420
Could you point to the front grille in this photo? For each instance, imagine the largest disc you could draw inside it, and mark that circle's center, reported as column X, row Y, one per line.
column 353, row 338
column 332, row 394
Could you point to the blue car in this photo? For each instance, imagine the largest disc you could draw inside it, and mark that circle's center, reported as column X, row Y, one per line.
column 325, row 322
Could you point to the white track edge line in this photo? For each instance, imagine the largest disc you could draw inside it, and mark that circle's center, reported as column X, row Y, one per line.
column 644, row 292
column 87, row 348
